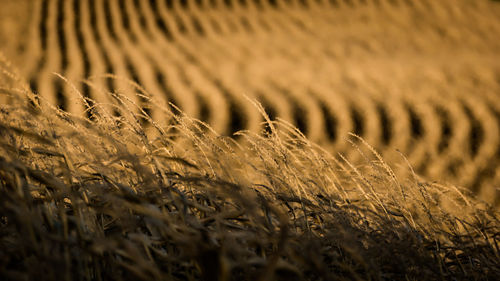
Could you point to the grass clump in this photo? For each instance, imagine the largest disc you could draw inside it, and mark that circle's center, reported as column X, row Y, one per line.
column 103, row 200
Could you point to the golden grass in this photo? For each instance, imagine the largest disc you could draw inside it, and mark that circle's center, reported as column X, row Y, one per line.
column 418, row 76
column 102, row 200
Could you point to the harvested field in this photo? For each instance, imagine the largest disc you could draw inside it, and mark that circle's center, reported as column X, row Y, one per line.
column 416, row 81
column 418, row 76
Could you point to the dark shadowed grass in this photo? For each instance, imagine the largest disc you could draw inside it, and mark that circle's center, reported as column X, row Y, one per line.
column 104, row 200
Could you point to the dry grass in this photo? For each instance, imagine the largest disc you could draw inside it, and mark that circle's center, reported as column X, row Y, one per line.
column 418, row 76
column 101, row 200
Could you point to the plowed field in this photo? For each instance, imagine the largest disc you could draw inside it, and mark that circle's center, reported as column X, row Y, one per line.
column 421, row 77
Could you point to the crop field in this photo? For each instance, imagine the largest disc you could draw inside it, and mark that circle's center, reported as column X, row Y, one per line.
column 416, row 76
column 249, row 140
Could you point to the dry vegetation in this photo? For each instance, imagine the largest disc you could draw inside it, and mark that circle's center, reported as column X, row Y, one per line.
column 419, row 76
column 100, row 200
column 130, row 152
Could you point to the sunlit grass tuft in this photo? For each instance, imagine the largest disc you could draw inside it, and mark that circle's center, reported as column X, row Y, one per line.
column 104, row 200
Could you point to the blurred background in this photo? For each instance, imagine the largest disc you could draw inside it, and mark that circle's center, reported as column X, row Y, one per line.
column 421, row 76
